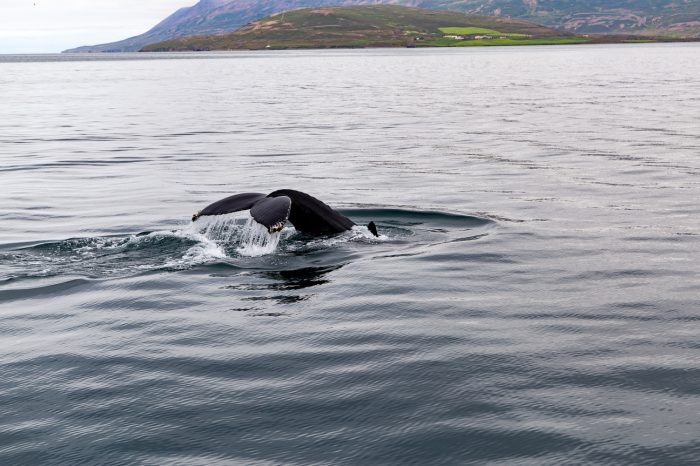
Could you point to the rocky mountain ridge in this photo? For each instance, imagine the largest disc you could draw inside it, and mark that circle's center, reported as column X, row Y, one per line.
column 679, row 18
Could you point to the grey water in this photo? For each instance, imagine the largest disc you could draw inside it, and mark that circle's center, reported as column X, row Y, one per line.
column 533, row 299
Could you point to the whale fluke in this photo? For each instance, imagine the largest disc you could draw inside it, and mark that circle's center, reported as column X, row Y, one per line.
column 308, row 214
column 235, row 203
column 312, row 216
column 272, row 212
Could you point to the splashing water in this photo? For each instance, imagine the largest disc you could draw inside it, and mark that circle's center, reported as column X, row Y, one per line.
column 238, row 233
column 256, row 240
column 224, row 230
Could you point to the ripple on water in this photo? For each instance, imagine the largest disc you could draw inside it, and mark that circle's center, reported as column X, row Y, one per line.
column 228, row 239
column 556, row 324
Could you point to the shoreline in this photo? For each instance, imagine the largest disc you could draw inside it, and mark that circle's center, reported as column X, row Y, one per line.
column 471, row 44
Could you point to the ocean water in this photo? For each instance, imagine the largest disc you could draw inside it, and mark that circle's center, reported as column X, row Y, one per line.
column 533, row 298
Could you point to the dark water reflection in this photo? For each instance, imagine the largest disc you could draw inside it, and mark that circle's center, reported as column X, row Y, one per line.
column 533, row 299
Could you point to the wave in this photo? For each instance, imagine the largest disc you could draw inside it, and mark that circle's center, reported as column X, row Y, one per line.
column 14, row 293
column 396, row 216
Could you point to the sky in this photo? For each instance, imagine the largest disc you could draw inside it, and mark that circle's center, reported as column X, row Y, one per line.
column 45, row 26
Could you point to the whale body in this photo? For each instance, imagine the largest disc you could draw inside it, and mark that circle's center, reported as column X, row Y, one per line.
column 306, row 213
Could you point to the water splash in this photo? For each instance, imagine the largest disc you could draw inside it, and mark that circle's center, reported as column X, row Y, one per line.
column 222, row 229
column 239, row 228
column 256, row 241
column 203, row 251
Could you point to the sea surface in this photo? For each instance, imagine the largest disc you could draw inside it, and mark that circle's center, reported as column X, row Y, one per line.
column 533, row 299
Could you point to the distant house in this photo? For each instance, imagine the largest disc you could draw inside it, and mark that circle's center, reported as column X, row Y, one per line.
column 454, row 37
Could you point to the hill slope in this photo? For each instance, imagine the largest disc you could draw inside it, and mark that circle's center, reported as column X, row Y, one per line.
column 367, row 26
column 678, row 17
column 599, row 16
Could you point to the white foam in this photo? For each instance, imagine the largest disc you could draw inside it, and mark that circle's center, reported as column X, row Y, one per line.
column 223, row 229
column 205, row 250
column 215, row 233
column 359, row 234
column 362, row 232
column 239, row 227
column 256, row 241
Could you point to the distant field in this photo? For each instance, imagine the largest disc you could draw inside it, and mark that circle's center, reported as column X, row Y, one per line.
column 470, row 31
column 442, row 42
column 371, row 26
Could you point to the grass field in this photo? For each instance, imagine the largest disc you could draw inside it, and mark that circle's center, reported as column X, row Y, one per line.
column 471, row 31
column 442, row 42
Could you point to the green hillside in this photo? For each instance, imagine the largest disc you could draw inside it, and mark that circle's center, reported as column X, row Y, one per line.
column 372, row 26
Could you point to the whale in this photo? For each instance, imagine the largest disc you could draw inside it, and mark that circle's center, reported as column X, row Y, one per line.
column 307, row 214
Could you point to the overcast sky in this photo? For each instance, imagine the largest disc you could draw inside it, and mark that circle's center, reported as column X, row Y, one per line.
column 36, row 26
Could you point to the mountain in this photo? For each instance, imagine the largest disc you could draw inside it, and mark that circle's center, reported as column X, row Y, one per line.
column 206, row 17
column 600, row 16
column 673, row 17
column 371, row 26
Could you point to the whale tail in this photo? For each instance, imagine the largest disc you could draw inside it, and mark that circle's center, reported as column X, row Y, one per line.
column 235, row 203
column 308, row 214
column 373, row 229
